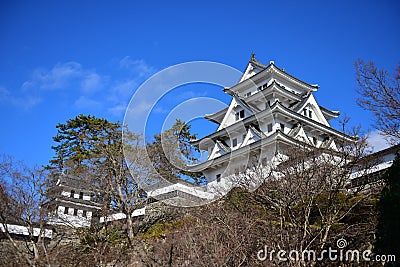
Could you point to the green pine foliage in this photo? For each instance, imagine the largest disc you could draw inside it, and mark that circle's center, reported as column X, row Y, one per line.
column 170, row 151
column 78, row 143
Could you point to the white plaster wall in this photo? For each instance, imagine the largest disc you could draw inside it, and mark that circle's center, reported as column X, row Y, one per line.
column 219, row 188
column 23, row 230
column 239, row 138
column 277, row 125
column 66, row 194
column 70, row 220
column 180, row 187
column 261, row 105
column 210, row 174
column 264, row 126
column 119, row 216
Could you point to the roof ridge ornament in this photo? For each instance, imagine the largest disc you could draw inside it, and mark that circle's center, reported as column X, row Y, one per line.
column 253, row 57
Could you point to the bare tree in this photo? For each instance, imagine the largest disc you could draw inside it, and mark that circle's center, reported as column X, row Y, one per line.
column 22, row 199
column 214, row 235
column 306, row 192
column 127, row 170
column 380, row 93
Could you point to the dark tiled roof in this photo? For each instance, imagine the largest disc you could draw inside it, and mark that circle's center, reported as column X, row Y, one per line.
column 223, row 145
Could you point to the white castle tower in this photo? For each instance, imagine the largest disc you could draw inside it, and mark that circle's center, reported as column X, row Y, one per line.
column 270, row 110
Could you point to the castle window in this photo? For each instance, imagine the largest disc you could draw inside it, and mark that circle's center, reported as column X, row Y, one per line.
column 234, row 142
column 84, row 213
column 80, row 195
column 75, row 212
column 248, row 94
column 269, row 127
column 72, row 193
column 305, row 112
column 239, row 115
column 282, row 127
column 218, row 177
column 310, row 113
column 66, row 210
column 314, row 140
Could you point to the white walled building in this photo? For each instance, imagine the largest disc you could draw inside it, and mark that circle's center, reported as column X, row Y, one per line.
column 269, row 111
column 72, row 203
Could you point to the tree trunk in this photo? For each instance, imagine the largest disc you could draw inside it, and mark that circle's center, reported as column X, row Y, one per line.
column 325, row 237
column 129, row 223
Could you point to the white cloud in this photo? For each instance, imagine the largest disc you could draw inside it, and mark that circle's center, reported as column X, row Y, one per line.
column 93, row 82
column 84, row 102
column 142, row 107
column 377, row 141
column 59, row 77
column 160, row 110
column 138, row 66
column 124, row 89
column 26, row 101
column 92, row 90
column 121, row 90
column 63, row 76
column 117, row 110
column 4, row 93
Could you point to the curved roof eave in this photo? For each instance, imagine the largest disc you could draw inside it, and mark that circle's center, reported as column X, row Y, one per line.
column 310, row 121
column 311, row 87
column 277, row 135
column 277, row 106
column 279, row 88
column 233, row 154
column 279, row 71
column 330, row 113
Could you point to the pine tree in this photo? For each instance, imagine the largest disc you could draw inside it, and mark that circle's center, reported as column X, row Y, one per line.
column 113, row 165
column 171, row 151
column 78, row 142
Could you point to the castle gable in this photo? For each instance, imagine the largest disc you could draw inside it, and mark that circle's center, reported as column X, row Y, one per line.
column 310, row 108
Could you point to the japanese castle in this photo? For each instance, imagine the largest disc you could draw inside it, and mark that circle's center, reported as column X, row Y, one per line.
column 270, row 110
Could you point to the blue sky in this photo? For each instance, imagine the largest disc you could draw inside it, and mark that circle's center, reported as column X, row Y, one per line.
column 63, row 58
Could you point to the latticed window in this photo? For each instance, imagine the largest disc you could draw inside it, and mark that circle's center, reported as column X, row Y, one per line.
column 234, row 142
column 269, row 127
column 239, row 115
